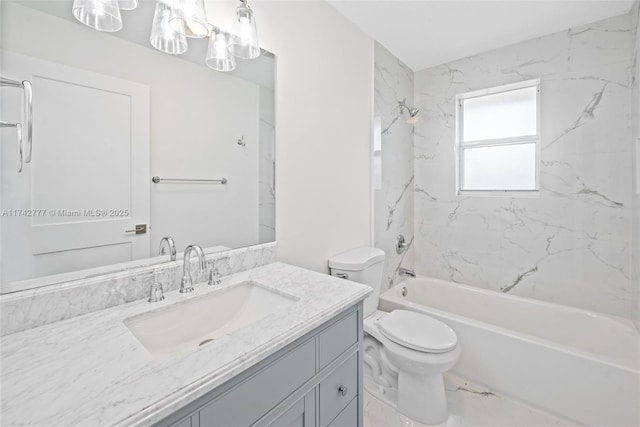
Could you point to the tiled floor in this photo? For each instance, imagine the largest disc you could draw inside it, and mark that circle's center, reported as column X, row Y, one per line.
column 469, row 405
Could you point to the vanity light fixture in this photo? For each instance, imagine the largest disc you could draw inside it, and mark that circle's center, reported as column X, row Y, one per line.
column 188, row 17
column 412, row 111
column 127, row 4
column 163, row 37
column 101, row 15
column 174, row 21
column 244, row 42
column 219, row 56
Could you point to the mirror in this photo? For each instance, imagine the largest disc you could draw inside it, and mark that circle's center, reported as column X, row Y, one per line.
column 109, row 114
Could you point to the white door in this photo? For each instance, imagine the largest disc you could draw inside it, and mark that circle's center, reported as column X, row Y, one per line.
column 88, row 181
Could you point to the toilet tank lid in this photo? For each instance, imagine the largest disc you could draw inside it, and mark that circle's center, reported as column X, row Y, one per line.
column 356, row 259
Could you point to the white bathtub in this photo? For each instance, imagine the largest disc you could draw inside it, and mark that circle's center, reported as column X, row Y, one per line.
column 574, row 363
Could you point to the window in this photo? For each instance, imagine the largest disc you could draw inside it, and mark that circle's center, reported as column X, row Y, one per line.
column 497, row 139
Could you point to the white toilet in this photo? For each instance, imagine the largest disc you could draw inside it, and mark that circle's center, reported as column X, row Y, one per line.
column 405, row 353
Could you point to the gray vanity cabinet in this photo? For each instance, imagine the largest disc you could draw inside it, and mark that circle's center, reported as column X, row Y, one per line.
column 301, row 414
column 315, row 381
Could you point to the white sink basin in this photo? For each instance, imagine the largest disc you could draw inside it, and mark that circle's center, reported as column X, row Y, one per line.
column 198, row 321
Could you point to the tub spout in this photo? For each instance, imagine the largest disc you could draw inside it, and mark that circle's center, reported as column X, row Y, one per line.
column 406, row 272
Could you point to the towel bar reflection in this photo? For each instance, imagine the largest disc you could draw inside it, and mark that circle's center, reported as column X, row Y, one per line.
column 157, row 179
column 25, row 85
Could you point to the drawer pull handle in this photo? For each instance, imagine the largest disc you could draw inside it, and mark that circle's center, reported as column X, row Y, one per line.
column 343, row 390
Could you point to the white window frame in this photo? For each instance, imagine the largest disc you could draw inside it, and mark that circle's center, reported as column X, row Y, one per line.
column 527, row 139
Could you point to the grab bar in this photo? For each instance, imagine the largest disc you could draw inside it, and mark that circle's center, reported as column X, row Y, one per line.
column 8, row 82
column 157, row 179
column 20, row 147
column 28, row 98
column 25, row 85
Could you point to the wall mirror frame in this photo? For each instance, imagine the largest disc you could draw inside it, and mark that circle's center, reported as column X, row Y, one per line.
column 110, row 113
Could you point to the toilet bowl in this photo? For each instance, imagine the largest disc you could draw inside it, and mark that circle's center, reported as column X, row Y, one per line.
column 405, row 353
column 415, row 386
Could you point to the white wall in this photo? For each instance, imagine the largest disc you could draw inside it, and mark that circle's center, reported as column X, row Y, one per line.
column 572, row 244
column 324, row 101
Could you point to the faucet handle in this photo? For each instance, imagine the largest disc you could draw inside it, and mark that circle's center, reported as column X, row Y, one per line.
column 214, row 277
column 156, row 293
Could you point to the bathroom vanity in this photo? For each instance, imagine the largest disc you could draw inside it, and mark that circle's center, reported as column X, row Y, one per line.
column 298, row 365
column 315, row 381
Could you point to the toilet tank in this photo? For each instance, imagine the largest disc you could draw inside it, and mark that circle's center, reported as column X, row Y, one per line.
column 363, row 265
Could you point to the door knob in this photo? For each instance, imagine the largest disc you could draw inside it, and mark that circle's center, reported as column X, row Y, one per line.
column 140, row 229
column 343, row 390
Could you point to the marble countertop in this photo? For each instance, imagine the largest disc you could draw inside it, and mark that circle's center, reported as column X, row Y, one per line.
column 91, row 371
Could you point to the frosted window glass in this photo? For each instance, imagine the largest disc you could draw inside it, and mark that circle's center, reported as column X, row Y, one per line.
column 500, row 115
column 500, row 167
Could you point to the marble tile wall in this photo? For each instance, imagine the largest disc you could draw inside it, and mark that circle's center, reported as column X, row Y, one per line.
column 635, row 13
column 36, row 307
column 393, row 82
column 571, row 244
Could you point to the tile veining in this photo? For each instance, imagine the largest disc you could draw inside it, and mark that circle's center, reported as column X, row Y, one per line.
column 587, row 114
column 97, row 373
column 569, row 244
column 394, row 200
column 37, row 307
column 469, row 405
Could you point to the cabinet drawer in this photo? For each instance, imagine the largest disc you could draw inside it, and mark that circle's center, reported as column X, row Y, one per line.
column 348, row 417
column 338, row 389
column 251, row 399
column 337, row 338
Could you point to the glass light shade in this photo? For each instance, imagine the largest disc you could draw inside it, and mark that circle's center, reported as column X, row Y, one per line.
column 163, row 37
column 244, row 42
column 101, row 15
column 189, row 18
column 219, row 56
column 128, row 4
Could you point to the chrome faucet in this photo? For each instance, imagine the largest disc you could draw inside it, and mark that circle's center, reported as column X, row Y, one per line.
column 156, row 293
column 187, row 282
column 172, row 247
column 406, row 272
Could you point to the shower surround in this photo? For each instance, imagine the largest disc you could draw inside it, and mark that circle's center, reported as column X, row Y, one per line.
column 571, row 244
column 635, row 14
column 393, row 82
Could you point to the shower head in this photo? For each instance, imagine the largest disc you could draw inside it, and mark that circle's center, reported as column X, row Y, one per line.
column 412, row 111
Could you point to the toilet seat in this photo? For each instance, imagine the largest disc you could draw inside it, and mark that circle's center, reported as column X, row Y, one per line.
column 417, row 332
column 401, row 356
